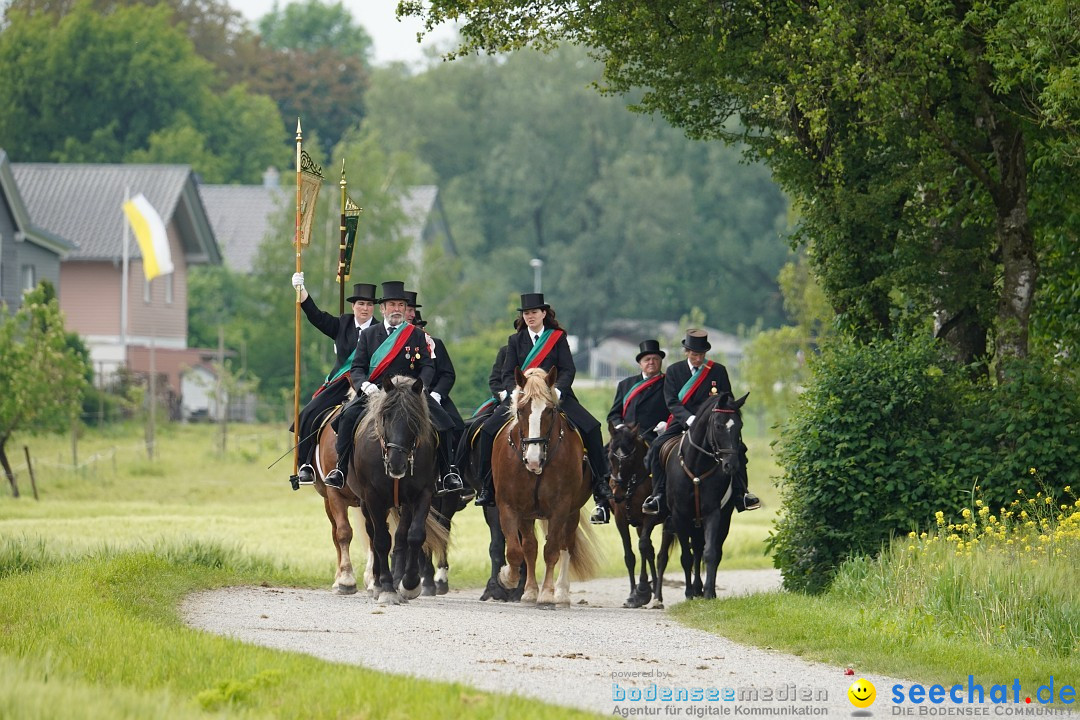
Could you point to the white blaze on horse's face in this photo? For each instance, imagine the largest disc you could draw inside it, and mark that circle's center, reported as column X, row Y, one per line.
column 532, row 452
column 730, row 424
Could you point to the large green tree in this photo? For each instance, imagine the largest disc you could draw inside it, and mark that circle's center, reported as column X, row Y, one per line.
column 909, row 131
column 126, row 85
column 631, row 218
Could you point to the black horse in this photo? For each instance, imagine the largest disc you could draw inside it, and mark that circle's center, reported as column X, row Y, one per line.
column 699, row 468
column 631, row 483
column 394, row 466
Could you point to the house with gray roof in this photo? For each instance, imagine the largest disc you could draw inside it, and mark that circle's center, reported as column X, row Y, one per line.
column 243, row 217
column 28, row 253
column 83, row 204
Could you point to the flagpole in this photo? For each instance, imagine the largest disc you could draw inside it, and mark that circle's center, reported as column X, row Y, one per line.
column 341, row 246
column 295, row 479
column 124, row 289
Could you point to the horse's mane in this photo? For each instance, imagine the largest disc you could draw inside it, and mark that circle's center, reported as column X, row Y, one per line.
column 400, row 404
column 536, row 388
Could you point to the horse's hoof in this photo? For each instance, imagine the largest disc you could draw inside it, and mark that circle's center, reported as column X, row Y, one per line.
column 656, row 605
column 632, row 602
column 562, row 598
column 547, row 597
column 515, row 595
column 427, row 590
column 504, row 578
column 406, row 593
column 494, row 591
column 345, row 589
column 389, row 597
column 441, row 587
column 529, row 596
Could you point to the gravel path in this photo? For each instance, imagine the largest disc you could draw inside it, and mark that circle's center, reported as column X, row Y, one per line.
column 571, row 657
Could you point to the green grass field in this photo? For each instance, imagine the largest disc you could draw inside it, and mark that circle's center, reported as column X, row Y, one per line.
column 92, row 573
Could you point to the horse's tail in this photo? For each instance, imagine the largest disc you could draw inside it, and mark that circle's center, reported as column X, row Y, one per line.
column 584, row 552
column 438, row 536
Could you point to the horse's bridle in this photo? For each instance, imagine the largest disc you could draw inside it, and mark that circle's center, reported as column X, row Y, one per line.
column 717, row 454
column 543, row 442
column 410, row 454
column 628, row 485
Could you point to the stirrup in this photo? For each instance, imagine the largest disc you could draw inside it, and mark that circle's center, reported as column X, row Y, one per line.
column 600, row 516
column 306, row 474
column 651, row 506
column 335, row 479
column 751, row 501
column 449, row 483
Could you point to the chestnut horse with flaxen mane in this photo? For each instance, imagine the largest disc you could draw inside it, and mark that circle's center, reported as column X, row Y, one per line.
column 539, row 473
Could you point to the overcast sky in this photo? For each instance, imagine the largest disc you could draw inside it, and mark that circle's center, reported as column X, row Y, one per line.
column 393, row 40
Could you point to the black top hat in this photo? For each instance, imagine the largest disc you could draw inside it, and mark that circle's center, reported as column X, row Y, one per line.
column 697, row 341
column 419, row 321
column 533, row 301
column 362, row 291
column 650, row 347
column 410, row 299
column 393, row 290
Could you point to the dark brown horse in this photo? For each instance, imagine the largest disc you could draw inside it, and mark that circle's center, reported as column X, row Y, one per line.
column 537, row 466
column 393, row 467
column 631, row 483
column 700, row 465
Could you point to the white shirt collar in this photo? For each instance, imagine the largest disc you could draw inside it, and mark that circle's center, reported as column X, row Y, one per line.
column 368, row 323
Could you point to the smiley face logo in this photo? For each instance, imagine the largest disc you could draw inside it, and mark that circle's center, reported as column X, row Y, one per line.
column 862, row 693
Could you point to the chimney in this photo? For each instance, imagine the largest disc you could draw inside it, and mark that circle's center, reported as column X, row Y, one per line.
column 270, row 177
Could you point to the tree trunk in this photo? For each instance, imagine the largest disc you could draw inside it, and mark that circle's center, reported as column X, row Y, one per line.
column 1016, row 241
column 7, row 469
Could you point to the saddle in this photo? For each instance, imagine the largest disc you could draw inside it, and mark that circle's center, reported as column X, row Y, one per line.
column 669, row 447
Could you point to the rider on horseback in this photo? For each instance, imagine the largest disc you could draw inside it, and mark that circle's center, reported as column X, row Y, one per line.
column 639, row 399
column 686, row 388
column 443, row 383
column 392, row 347
column 542, row 344
column 345, row 330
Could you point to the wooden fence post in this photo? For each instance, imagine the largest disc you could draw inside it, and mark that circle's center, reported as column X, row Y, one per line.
column 30, row 469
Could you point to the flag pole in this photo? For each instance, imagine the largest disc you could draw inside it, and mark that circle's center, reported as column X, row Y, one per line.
column 295, row 479
column 341, row 246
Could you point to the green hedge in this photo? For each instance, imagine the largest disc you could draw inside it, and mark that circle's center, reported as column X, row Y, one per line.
column 888, row 433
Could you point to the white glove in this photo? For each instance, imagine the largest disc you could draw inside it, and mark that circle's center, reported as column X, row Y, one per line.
column 558, row 393
column 660, row 427
column 369, row 388
column 298, row 280
column 436, row 397
column 690, row 420
column 502, row 395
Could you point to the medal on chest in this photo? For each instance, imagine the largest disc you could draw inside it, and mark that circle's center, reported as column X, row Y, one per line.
column 712, row 391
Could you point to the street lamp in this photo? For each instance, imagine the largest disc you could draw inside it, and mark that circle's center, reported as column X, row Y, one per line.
column 537, row 265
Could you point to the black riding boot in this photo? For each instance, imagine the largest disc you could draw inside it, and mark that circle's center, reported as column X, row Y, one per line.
column 740, row 487
column 448, row 481
column 655, row 502
column 346, row 426
column 486, row 498
column 601, row 490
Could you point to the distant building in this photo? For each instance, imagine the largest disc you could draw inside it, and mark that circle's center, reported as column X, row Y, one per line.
column 243, row 217
column 612, row 358
column 83, row 204
column 28, row 252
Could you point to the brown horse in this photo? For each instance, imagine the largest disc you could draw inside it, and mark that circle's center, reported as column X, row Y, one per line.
column 337, row 503
column 631, row 483
column 537, row 465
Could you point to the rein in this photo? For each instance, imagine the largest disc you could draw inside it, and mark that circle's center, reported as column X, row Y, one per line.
column 410, row 458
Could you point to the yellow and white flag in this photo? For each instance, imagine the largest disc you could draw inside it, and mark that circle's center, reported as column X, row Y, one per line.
column 150, row 232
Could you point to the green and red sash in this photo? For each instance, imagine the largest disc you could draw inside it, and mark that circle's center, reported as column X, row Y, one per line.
column 640, row 387
column 543, row 347
column 489, row 403
column 343, row 370
column 691, row 386
column 388, row 350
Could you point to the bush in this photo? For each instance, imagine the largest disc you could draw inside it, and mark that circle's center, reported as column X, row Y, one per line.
column 890, row 432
